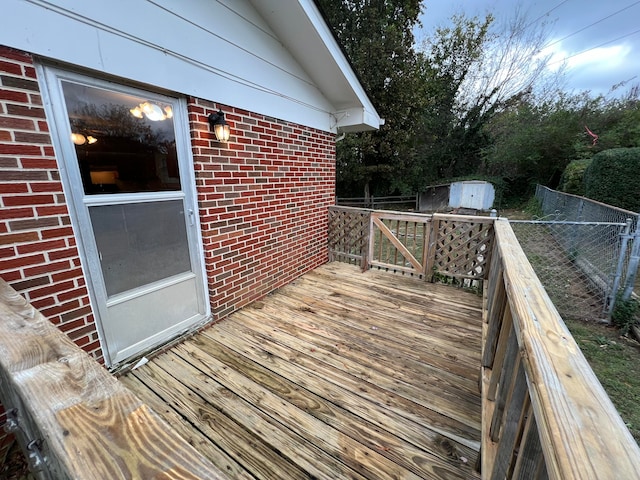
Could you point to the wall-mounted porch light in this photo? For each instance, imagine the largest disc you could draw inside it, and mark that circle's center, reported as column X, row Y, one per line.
column 220, row 126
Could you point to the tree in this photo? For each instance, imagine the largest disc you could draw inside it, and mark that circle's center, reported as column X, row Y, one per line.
column 536, row 140
column 476, row 70
column 377, row 36
column 612, row 178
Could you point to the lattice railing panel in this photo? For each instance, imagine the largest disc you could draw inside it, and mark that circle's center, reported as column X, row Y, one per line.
column 462, row 247
column 348, row 234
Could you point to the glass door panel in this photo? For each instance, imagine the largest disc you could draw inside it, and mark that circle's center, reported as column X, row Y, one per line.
column 124, row 143
column 140, row 243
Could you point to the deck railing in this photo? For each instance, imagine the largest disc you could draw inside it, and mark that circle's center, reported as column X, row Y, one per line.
column 452, row 246
column 545, row 414
column 72, row 417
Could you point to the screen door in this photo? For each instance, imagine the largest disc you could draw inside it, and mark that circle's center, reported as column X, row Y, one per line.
column 127, row 164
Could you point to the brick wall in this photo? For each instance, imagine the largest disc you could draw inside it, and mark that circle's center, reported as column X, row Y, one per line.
column 38, row 254
column 263, row 201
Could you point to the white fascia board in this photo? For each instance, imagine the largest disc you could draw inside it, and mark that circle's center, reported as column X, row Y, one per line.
column 356, row 119
column 369, row 118
column 302, row 28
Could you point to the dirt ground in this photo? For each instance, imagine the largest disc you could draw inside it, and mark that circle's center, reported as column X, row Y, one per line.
column 15, row 466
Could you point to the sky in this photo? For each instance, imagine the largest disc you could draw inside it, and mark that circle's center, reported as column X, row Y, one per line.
column 600, row 40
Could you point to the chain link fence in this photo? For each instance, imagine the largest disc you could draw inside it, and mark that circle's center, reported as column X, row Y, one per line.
column 584, row 252
column 576, row 262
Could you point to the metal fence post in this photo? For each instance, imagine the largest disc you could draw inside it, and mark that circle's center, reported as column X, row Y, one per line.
column 611, row 298
column 634, row 262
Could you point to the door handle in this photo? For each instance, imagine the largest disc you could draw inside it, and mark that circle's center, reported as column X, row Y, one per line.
column 192, row 219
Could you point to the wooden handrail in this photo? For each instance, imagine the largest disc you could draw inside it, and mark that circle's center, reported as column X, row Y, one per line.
column 544, row 410
column 72, row 417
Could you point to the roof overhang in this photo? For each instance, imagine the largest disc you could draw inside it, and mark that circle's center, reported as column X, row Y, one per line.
column 303, row 31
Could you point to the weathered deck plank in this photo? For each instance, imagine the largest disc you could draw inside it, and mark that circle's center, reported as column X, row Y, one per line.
column 339, row 375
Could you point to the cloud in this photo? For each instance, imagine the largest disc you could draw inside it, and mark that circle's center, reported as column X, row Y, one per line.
column 575, row 29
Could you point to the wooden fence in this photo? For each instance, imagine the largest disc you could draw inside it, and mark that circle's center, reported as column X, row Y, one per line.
column 426, row 246
column 544, row 412
column 73, row 417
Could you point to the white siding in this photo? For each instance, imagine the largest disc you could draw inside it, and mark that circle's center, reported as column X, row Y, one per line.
column 221, row 50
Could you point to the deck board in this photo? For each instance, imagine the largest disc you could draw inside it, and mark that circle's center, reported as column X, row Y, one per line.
column 338, row 375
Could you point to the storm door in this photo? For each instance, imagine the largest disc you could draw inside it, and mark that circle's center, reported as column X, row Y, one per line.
column 126, row 163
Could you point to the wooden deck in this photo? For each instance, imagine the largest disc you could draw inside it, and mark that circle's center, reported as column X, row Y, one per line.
column 338, row 375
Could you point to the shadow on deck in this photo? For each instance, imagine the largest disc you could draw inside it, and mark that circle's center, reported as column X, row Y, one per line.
column 341, row 374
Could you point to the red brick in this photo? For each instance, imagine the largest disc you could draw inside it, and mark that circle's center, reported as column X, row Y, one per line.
column 76, row 293
column 33, row 223
column 9, row 67
column 8, row 162
column 48, row 268
column 25, row 111
column 20, row 200
column 41, row 246
column 31, row 283
column 17, row 149
column 13, row 188
column 17, row 123
column 21, row 262
column 21, row 212
column 56, row 210
column 74, row 273
column 29, row 72
column 60, row 254
column 57, row 232
column 13, row 54
column 22, row 175
column 14, row 96
column 40, row 163
column 29, row 137
column 42, row 303
column 58, row 309
column 42, row 187
column 19, row 83
column 51, row 289
column 8, row 238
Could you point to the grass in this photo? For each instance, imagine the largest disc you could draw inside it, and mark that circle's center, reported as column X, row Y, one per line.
column 615, row 360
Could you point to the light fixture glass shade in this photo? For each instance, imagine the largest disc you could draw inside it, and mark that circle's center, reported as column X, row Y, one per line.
column 136, row 112
column 222, row 132
column 220, row 126
column 152, row 111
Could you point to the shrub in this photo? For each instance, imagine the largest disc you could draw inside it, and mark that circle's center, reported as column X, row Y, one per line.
column 613, row 177
column 572, row 180
column 624, row 314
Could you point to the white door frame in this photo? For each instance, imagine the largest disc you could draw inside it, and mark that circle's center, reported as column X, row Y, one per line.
column 54, row 104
